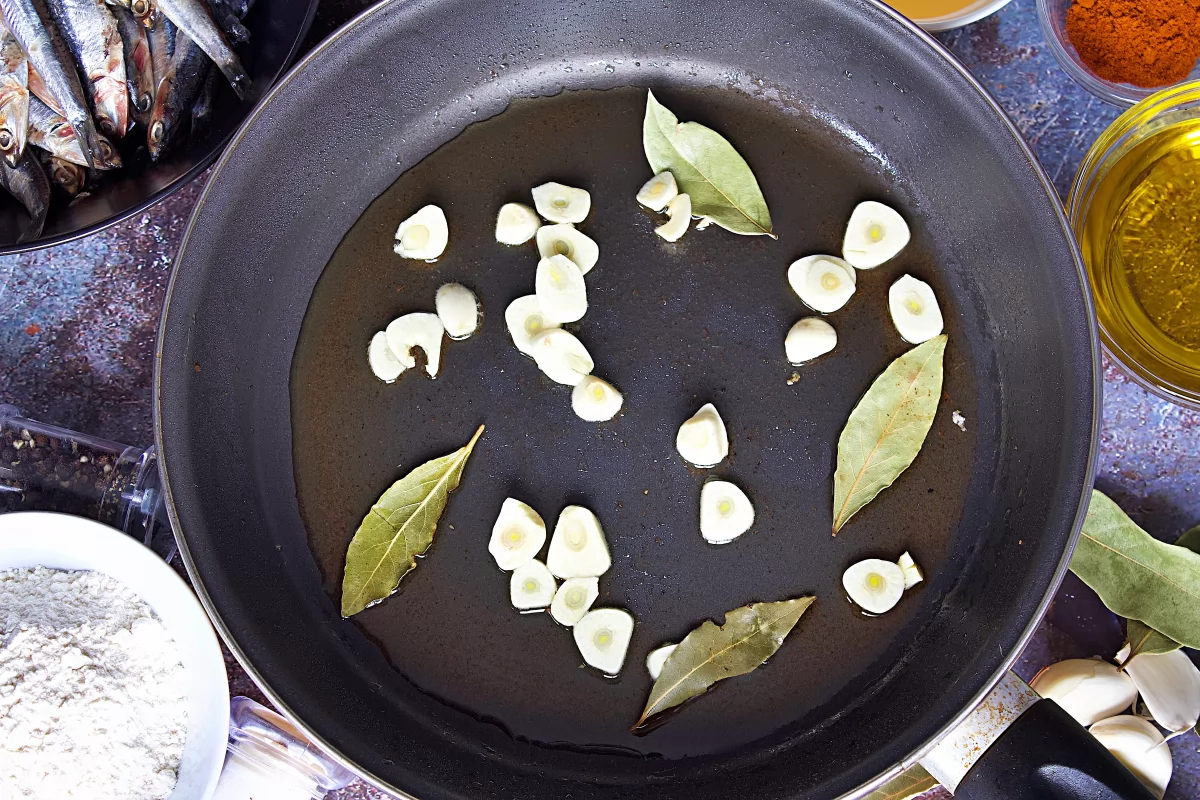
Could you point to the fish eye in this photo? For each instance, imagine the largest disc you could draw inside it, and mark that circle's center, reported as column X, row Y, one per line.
column 156, row 132
column 7, row 140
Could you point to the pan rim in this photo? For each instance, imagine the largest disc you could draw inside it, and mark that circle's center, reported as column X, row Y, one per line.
column 940, row 51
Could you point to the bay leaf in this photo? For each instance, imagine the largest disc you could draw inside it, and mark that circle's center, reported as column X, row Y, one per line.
column 1137, row 576
column 913, row 782
column 748, row 637
column 708, row 169
column 398, row 528
column 887, row 428
column 1141, row 637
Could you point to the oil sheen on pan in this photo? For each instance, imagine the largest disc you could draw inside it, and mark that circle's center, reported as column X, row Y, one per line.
column 674, row 327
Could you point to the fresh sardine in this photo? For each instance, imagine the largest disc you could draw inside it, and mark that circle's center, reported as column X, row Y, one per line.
column 202, row 106
column 39, row 89
column 49, row 55
column 139, row 72
column 193, row 18
column 14, row 96
column 70, row 178
column 175, row 94
column 142, row 10
column 51, row 132
column 91, row 33
column 28, row 183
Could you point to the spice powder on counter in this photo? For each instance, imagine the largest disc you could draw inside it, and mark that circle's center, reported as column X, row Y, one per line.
column 1143, row 42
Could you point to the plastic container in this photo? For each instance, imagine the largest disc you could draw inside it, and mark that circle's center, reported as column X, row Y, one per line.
column 968, row 13
column 1052, row 14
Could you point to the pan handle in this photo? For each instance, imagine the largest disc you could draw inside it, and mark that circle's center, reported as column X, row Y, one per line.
column 1017, row 746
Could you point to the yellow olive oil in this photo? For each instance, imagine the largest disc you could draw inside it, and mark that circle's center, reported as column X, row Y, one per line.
column 929, row 9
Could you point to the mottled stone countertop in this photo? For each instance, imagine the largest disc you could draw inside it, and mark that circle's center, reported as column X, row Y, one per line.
column 77, row 329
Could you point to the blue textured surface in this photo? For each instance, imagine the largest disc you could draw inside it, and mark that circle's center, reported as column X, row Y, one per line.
column 77, row 326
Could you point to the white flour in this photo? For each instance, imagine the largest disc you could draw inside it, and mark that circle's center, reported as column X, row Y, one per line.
column 92, row 694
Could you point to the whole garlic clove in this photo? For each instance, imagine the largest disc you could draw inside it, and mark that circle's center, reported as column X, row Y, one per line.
column 679, row 211
column 1169, row 684
column 561, row 356
column 1139, row 746
column 725, row 512
column 525, row 320
column 560, row 289
column 602, row 637
column 573, row 599
column 1088, row 689
column 876, row 233
column 417, row 330
column 558, row 203
column 424, row 235
column 810, row 338
column 595, row 400
column 703, row 440
column 382, row 360
column 658, row 657
column 658, row 191
column 517, row 535
column 458, row 310
column 874, row 585
column 564, row 240
column 531, row 586
column 915, row 311
column 823, row 283
column 516, row 224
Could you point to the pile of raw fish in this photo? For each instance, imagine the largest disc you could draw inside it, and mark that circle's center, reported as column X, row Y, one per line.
column 77, row 76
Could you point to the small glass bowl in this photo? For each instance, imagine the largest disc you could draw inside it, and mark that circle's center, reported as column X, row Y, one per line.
column 1154, row 367
column 1052, row 14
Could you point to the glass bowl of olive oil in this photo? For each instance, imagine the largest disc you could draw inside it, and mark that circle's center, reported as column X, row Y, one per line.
column 1135, row 209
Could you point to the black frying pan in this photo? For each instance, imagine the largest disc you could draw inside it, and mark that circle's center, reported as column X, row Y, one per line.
column 275, row 439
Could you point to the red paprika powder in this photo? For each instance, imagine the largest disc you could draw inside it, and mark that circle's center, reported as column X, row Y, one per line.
column 1143, row 42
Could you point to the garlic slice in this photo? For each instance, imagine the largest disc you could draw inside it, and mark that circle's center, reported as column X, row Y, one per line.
column 531, row 586
column 578, row 548
column 573, row 599
column 383, row 361
column 516, row 224
column 658, row 191
column 874, row 585
column 1088, row 689
column 424, row 235
column 823, row 283
column 560, row 289
column 595, row 400
column 417, row 330
column 658, row 657
column 564, row 240
column 876, row 233
column 912, row 573
column 561, row 356
column 680, row 212
column 525, row 320
column 1139, row 746
column 602, row 637
column 558, row 203
column 703, row 440
column 915, row 311
column 517, row 536
column 810, row 338
column 725, row 512
column 1169, row 684
column 458, row 310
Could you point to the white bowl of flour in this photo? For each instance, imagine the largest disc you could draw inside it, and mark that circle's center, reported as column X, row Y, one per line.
column 164, row 709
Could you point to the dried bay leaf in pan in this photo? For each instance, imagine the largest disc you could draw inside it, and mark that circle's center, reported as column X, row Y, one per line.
column 708, row 169
column 887, row 428
column 748, row 637
column 912, row 782
column 1138, row 576
column 1140, row 636
column 398, row 528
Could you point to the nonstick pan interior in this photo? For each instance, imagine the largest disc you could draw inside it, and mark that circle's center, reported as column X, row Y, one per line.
column 896, row 118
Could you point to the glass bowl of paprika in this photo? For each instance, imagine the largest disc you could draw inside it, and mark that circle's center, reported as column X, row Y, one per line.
column 1123, row 51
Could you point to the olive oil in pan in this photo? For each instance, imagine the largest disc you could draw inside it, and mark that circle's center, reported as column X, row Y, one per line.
column 673, row 327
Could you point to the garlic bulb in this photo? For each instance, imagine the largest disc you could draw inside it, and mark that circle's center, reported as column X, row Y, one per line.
column 1169, row 684
column 1140, row 747
column 1087, row 689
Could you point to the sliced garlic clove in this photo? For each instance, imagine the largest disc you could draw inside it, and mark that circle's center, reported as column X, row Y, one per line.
column 517, row 536
column 424, row 235
column 823, row 283
column 915, row 311
column 578, row 548
column 658, row 191
column 912, row 573
column 560, row 289
column 417, row 330
column 602, row 637
column 573, row 599
column 725, row 512
column 1169, row 684
column 680, row 212
column 658, row 657
column 1088, row 689
column 516, row 224
column 531, row 586
column 595, row 400
column 458, row 310
column 703, row 440
column 558, row 203
column 525, row 320
column 564, row 240
column 876, row 233
column 811, row 337
column 383, row 361
column 561, row 356
column 1139, row 746
column 874, row 585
